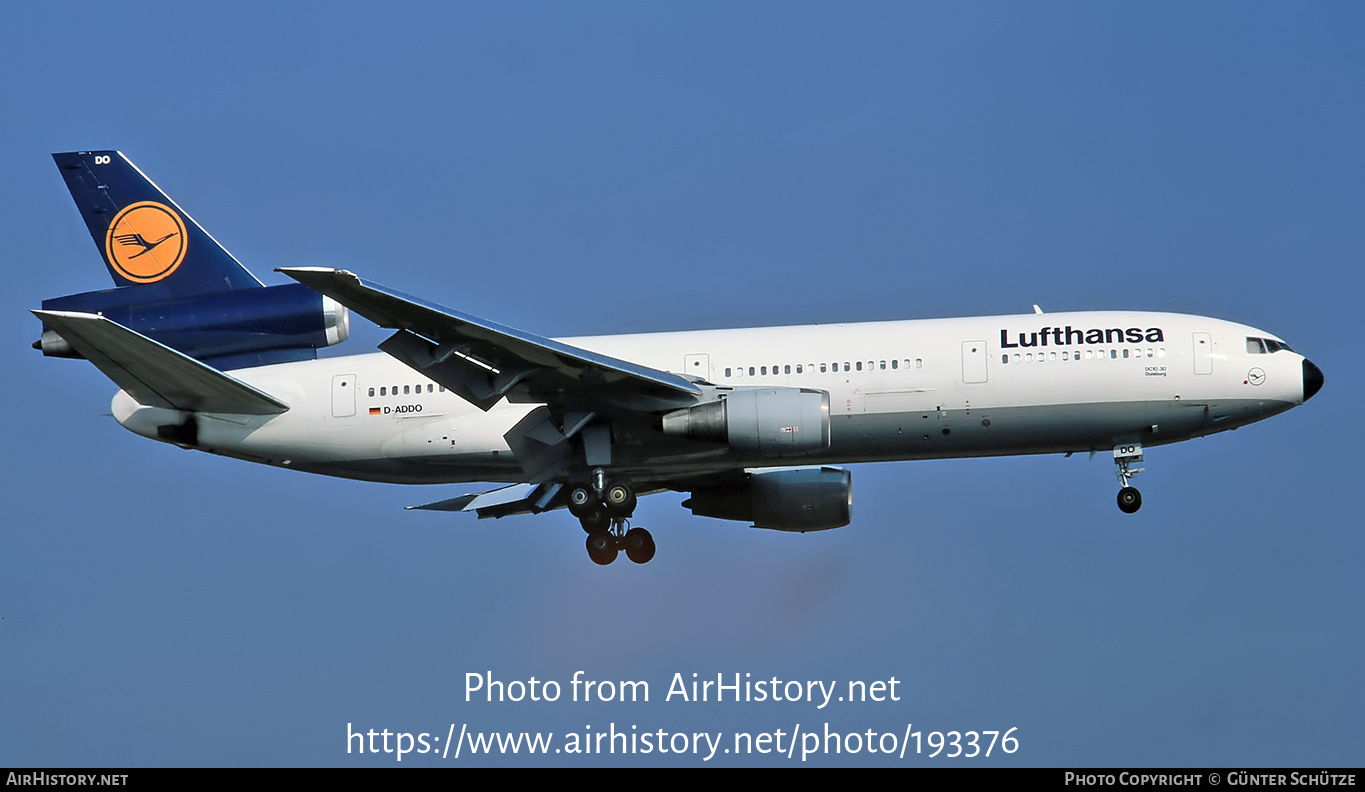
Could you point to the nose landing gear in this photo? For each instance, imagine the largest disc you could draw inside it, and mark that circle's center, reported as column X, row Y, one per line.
column 1130, row 500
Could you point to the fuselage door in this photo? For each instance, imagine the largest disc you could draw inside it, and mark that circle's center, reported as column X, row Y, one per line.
column 973, row 361
column 343, row 396
column 1203, row 353
column 697, row 366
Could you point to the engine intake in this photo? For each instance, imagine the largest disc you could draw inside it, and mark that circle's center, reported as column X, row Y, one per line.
column 766, row 421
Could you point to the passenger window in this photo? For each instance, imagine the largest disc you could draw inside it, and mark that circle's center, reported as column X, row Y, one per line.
column 919, row 362
column 893, row 363
column 383, row 391
column 405, row 389
column 860, row 365
column 1016, row 357
column 822, row 368
column 1004, row 358
column 751, row 371
column 1064, row 354
column 883, row 365
column 788, row 369
column 371, row 391
column 798, row 368
column 845, row 365
column 727, row 371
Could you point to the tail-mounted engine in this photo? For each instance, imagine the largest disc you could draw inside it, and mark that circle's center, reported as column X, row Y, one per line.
column 217, row 324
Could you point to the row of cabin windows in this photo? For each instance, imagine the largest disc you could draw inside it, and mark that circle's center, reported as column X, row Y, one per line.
column 407, row 389
column 1090, row 354
column 810, row 368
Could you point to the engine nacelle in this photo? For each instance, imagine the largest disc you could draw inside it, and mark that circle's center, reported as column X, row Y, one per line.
column 216, row 324
column 795, row 499
column 766, row 421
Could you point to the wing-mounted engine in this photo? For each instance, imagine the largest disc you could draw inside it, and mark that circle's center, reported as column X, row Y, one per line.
column 766, row 421
column 794, row 499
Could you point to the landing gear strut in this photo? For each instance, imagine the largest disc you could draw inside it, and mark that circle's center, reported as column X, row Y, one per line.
column 604, row 509
column 1130, row 500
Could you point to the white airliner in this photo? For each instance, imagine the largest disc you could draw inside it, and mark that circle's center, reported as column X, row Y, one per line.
column 750, row 422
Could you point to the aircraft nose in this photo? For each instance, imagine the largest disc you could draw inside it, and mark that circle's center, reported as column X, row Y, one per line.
column 1312, row 379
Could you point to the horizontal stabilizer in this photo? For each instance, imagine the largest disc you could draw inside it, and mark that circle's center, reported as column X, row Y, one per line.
column 155, row 374
column 516, row 499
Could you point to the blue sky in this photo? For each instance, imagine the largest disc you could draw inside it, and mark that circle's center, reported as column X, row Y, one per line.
column 610, row 167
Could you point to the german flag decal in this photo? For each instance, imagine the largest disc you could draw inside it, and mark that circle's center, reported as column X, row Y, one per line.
column 375, row 411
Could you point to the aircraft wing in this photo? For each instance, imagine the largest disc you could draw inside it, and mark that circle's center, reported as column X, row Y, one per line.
column 155, row 374
column 484, row 361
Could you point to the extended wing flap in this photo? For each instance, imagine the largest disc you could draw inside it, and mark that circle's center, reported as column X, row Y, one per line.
column 484, row 361
column 155, row 374
column 516, row 499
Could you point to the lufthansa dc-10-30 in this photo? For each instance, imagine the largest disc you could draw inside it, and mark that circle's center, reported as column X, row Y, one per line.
column 754, row 424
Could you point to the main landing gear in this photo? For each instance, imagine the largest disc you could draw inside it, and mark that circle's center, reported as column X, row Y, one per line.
column 1130, row 500
column 604, row 509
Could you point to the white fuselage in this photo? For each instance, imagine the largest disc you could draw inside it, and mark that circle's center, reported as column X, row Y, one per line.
column 1031, row 383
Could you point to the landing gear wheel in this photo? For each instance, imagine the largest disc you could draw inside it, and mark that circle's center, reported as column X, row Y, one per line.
column 1130, row 500
column 582, row 500
column 620, row 499
column 601, row 548
column 639, row 545
column 595, row 519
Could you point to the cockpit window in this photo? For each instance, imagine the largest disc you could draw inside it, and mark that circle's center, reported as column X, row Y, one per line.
column 1260, row 346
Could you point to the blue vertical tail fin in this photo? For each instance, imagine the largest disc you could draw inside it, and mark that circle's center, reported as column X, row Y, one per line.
column 175, row 284
column 143, row 236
